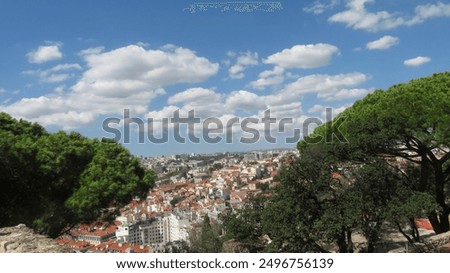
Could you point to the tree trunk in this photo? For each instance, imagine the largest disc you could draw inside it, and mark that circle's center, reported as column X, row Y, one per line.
column 424, row 173
column 341, row 242
column 414, row 230
column 372, row 239
column 400, row 229
column 349, row 241
column 434, row 220
column 370, row 246
column 440, row 221
column 344, row 241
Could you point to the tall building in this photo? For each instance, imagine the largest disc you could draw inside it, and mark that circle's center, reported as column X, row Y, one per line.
column 159, row 230
column 165, row 229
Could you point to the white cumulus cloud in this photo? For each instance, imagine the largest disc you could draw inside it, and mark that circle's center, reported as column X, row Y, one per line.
column 133, row 69
column 55, row 74
column 244, row 100
column 45, row 54
column 243, row 61
column 358, row 17
column 194, row 95
column 428, row 11
column 417, row 61
column 319, row 7
column 323, row 84
column 345, row 94
column 303, row 56
column 384, row 42
column 91, row 51
column 269, row 78
column 286, row 103
column 124, row 78
column 205, row 102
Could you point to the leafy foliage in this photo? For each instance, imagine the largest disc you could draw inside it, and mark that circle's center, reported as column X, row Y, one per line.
column 385, row 160
column 245, row 224
column 409, row 121
column 50, row 181
column 207, row 239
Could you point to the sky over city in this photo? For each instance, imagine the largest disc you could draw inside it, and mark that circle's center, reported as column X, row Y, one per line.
column 73, row 65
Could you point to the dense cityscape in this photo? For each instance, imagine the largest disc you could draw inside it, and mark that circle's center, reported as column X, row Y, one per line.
column 188, row 188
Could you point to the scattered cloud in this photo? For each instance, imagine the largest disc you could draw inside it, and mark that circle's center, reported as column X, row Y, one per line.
column 358, row 17
column 244, row 100
column 125, row 78
column 317, row 108
column 384, row 42
column 243, row 61
column 210, row 103
column 194, row 95
column 239, row 104
column 205, row 102
column 91, row 51
column 428, row 11
column 326, row 86
column 303, row 56
column 59, row 89
column 143, row 44
column 58, row 73
column 418, row 61
column 73, row 109
column 269, row 78
column 346, row 94
column 132, row 69
column 322, row 110
column 45, row 54
column 286, row 103
column 131, row 77
column 319, row 7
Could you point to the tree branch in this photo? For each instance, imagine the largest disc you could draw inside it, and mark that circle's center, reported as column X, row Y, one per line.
column 399, row 227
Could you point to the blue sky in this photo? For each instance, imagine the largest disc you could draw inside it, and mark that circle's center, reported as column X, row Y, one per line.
column 69, row 65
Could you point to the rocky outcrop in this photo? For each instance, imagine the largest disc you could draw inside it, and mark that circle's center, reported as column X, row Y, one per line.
column 437, row 243
column 434, row 244
column 24, row 240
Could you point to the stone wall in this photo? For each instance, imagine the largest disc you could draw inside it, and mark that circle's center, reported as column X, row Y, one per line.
column 24, row 240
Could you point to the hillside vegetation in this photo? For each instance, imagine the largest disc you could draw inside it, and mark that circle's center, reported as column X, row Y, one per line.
column 383, row 161
column 50, row 181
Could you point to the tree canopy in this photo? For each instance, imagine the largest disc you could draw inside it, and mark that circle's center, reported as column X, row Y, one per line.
column 408, row 121
column 383, row 161
column 52, row 180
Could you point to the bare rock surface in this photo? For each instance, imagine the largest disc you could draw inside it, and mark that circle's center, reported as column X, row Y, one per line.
column 21, row 239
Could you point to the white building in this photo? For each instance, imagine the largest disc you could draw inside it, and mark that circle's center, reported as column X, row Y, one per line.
column 129, row 233
column 157, row 231
column 165, row 229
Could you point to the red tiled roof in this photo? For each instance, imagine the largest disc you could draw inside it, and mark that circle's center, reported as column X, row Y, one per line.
column 113, row 246
column 242, row 195
column 95, row 229
column 73, row 244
